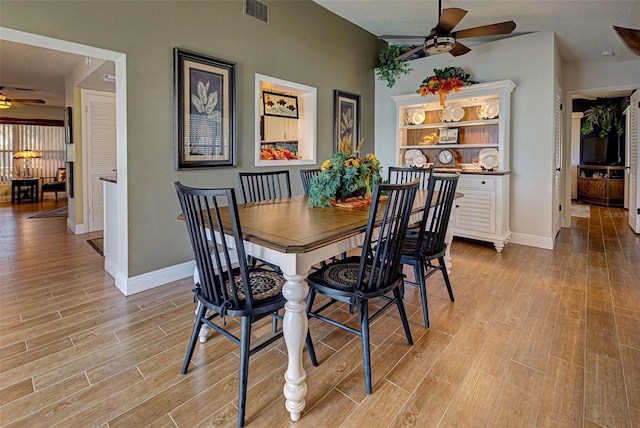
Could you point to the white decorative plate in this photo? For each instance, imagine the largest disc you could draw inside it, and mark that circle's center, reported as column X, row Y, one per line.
column 457, row 113
column 419, row 160
column 489, row 109
column 488, row 158
column 410, row 156
column 446, row 114
column 418, row 117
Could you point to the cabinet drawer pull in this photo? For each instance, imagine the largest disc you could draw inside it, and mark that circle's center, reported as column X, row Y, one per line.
column 484, row 182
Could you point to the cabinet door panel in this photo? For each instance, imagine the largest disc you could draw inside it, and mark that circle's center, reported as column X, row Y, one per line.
column 476, row 211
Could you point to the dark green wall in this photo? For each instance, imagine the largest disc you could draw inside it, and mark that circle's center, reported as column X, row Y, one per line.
column 304, row 43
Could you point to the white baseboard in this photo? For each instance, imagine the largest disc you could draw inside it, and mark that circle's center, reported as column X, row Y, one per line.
column 77, row 229
column 532, row 241
column 149, row 280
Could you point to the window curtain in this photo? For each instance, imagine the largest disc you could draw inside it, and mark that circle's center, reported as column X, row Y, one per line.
column 47, row 140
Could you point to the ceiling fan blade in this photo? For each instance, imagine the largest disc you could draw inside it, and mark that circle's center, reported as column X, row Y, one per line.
column 630, row 37
column 409, row 53
column 459, row 49
column 449, row 18
column 388, row 37
column 14, row 88
column 26, row 101
column 486, row 30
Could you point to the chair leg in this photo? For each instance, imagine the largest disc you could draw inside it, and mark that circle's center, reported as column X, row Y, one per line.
column 194, row 337
column 443, row 268
column 363, row 315
column 274, row 324
column 244, row 368
column 310, row 349
column 418, row 269
column 403, row 315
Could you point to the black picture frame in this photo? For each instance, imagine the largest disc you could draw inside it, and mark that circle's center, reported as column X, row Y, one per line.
column 68, row 125
column 449, row 136
column 346, row 118
column 204, row 111
column 280, row 105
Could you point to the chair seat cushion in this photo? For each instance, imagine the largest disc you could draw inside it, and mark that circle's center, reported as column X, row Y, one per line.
column 339, row 275
column 410, row 244
column 54, row 186
column 265, row 284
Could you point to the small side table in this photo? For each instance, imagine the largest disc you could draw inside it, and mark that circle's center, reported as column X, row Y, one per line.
column 18, row 193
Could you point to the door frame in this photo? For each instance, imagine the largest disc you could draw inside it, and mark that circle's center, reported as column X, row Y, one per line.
column 120, row 60
column 566, row 143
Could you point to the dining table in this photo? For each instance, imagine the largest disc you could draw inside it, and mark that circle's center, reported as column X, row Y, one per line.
column 289, row 234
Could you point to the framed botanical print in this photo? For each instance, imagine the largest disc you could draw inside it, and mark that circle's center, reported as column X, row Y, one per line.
column 68, row 125
column 280, row 105
column 204, row 111
column 346, row 119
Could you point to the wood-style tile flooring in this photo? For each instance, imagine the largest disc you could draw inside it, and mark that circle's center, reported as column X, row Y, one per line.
column 535, row 338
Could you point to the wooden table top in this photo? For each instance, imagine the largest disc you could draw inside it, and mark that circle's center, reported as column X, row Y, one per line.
column 288, row 225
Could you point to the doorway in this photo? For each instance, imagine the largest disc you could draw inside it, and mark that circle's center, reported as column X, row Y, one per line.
column 121, row 121
column 572, row 160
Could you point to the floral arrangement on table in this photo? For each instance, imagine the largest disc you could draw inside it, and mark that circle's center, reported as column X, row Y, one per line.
column 444, row 81
column 346, row 179
column 278, row 153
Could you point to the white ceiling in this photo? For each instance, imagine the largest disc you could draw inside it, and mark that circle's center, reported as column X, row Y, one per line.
column 43, row 72
column 583, row 28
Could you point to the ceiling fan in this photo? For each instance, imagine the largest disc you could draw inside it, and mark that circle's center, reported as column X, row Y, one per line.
column 630, row 37
column 6, row 102
column 441, row 38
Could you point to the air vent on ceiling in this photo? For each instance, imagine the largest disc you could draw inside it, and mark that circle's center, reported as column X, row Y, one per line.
column 257, row 9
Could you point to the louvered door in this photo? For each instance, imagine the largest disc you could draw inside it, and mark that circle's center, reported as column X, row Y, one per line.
column 634, row 140
column 99, row 119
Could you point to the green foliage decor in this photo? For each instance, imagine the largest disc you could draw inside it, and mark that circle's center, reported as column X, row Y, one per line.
column 343, row 176
column 390, row 69
column 602, row 117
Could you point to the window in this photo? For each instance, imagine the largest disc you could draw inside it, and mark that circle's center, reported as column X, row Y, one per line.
column 47, row 140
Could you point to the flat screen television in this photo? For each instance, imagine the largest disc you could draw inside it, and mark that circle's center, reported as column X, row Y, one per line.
column 598, row 151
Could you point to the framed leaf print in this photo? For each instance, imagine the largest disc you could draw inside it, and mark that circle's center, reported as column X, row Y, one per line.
column 346, row 119
column 204, row 111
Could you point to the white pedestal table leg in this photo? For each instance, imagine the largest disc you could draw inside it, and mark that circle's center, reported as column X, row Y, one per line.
column 448, row 238
column 294, row 329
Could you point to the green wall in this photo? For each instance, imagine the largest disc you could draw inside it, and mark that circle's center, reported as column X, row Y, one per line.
column 304, row 43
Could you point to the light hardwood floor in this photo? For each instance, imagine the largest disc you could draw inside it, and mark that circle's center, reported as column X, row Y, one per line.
column 536, row 338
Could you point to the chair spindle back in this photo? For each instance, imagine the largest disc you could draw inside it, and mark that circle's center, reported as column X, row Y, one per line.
column 263, row 186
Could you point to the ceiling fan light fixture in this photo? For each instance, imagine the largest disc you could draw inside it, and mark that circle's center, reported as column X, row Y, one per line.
column 438, row 45
column 5, row 104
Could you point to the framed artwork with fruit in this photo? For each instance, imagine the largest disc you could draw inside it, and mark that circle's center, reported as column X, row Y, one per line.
column 280, row 105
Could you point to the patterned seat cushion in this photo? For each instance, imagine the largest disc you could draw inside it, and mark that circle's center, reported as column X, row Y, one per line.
column 340, row 275
column 264, row 284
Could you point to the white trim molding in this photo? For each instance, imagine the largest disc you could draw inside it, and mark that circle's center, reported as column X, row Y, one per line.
column 532, row 241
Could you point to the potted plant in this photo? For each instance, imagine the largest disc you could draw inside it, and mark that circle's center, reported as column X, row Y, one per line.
column 345, row 176
column 602, row 117
column 390, row 68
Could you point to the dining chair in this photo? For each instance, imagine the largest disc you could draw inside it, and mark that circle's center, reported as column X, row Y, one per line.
column 249, row 293
column 306, row 175
column 373, row 274
column 427, row 245
column 262, row 186
column 399, row 174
